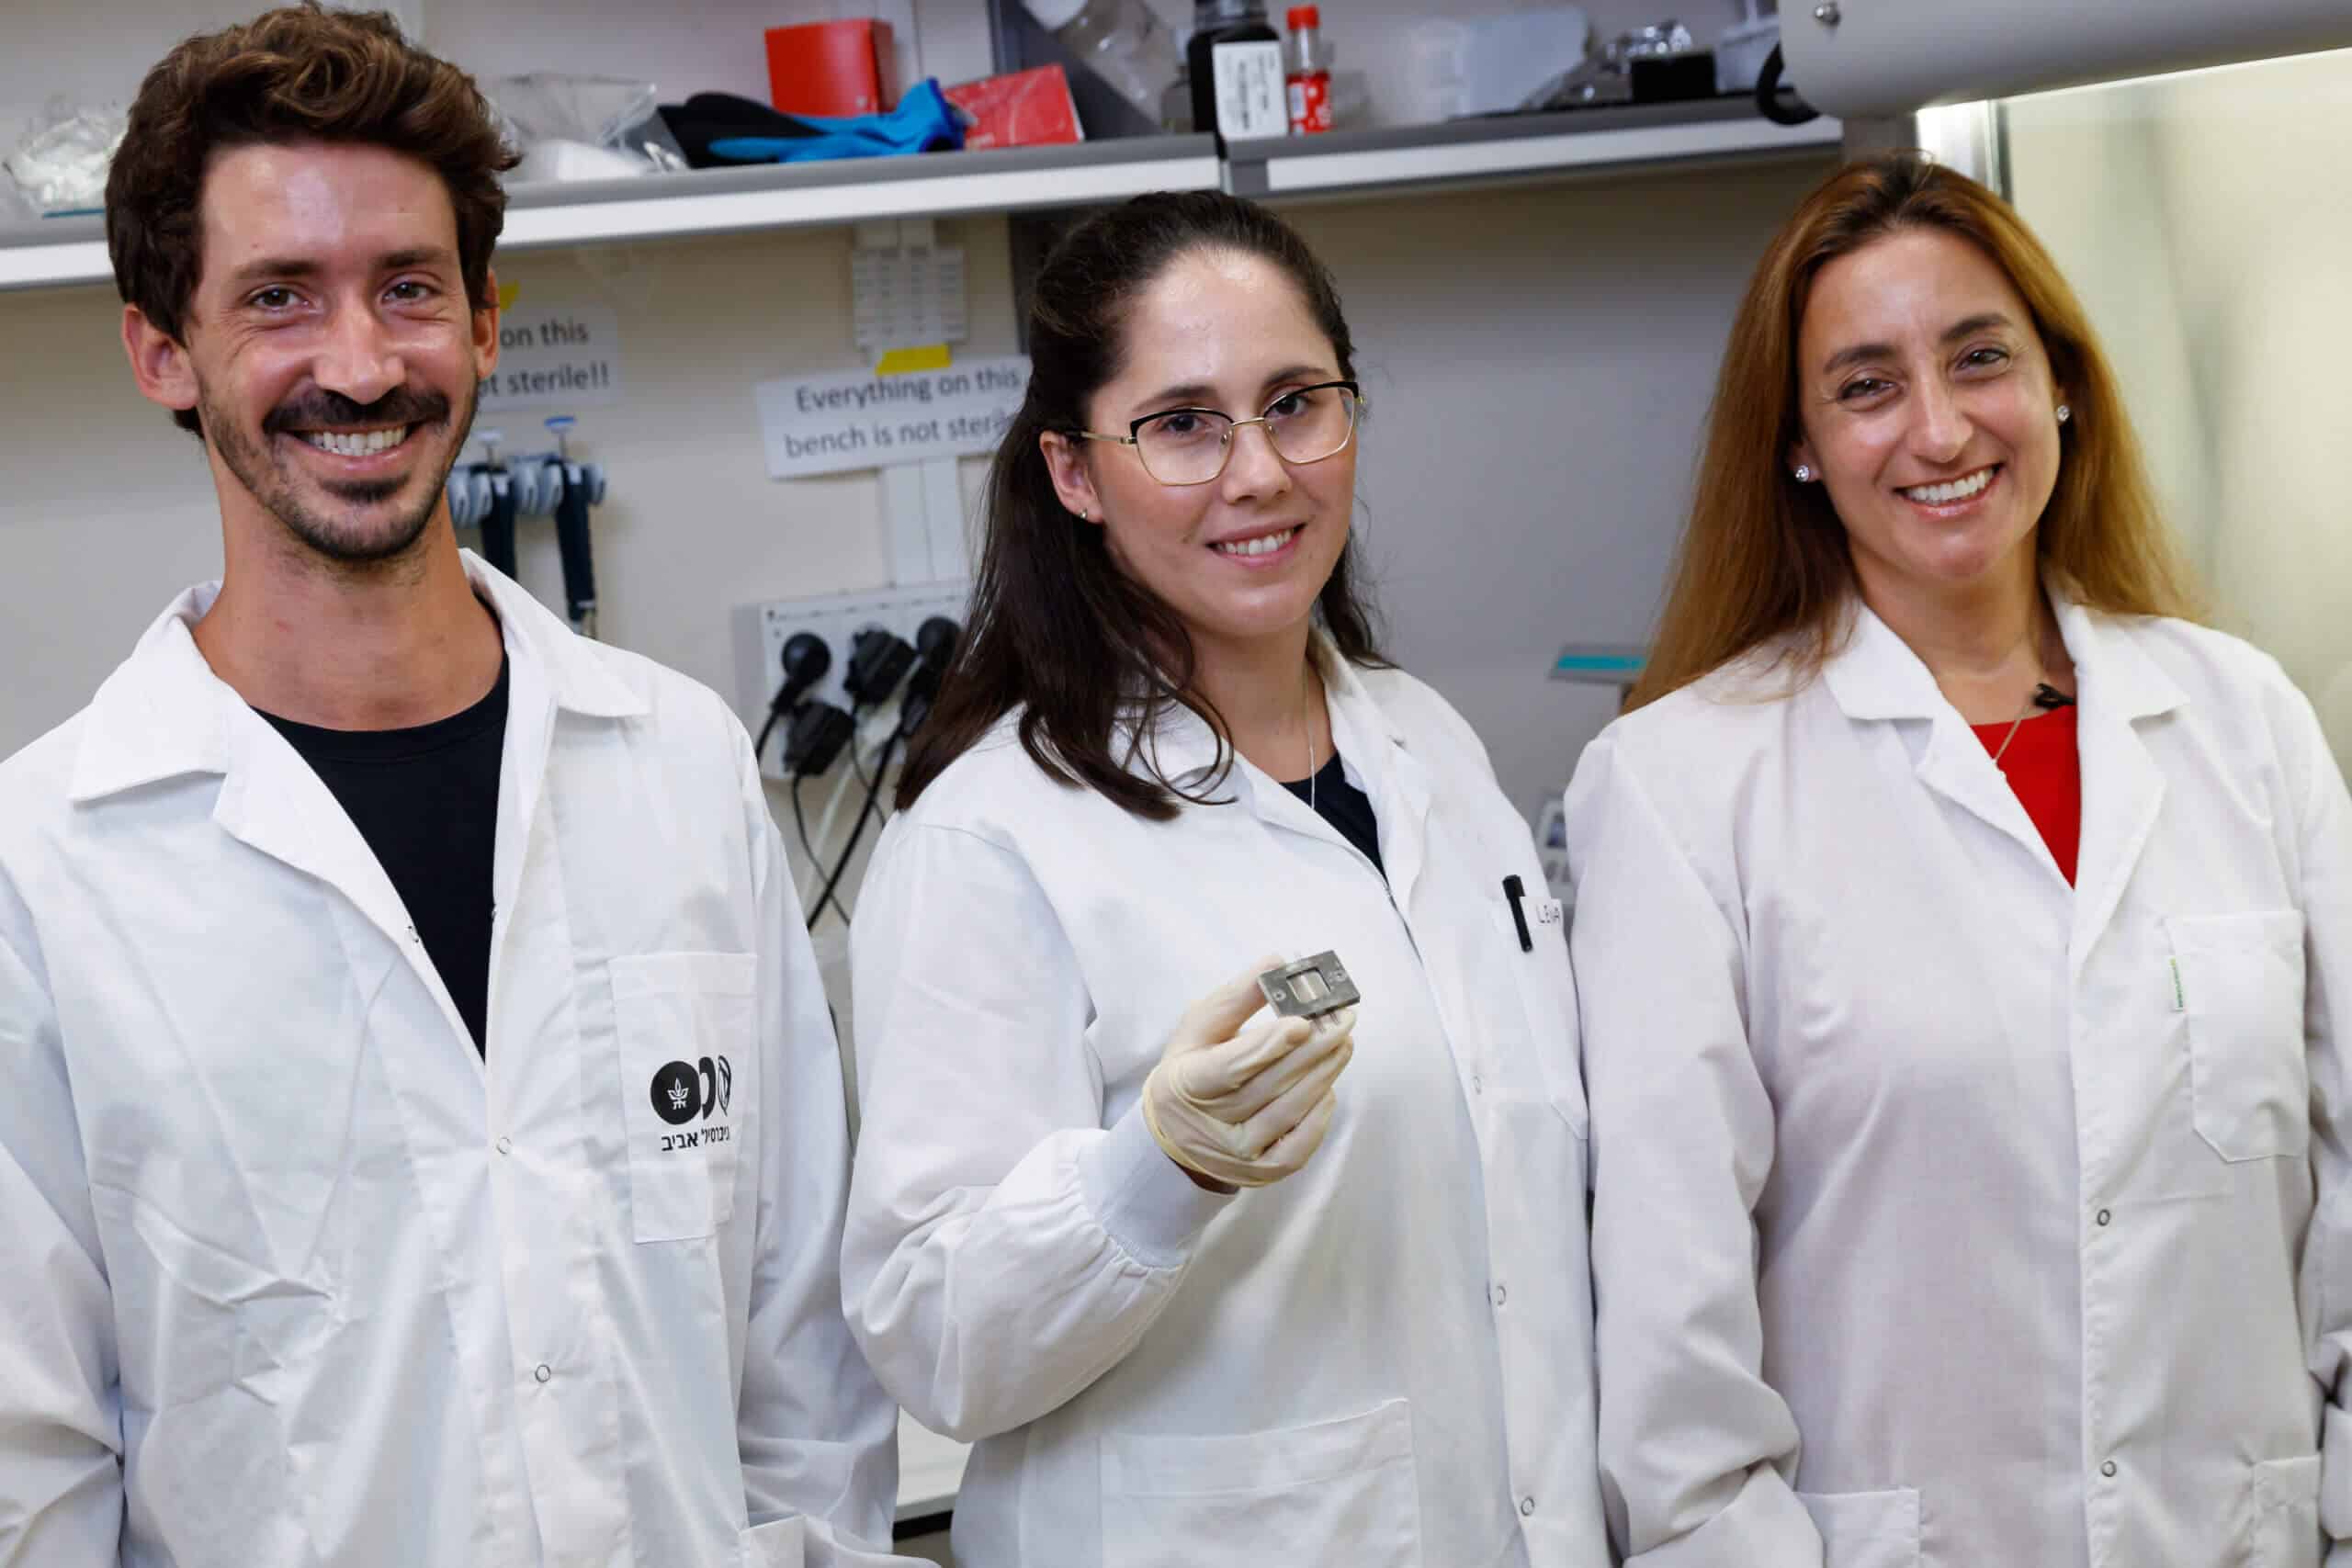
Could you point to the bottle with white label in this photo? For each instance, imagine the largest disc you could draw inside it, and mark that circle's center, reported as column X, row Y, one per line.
column 1236, row 61
column 1307, row 65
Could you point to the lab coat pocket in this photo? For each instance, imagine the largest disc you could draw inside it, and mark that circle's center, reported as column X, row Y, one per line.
column 686, row 1031
column 2282, row 1529
column 1339, row 1491
column 2239, row 979
column 780, row 1543
column 1547, row 995
column 1866, row 1530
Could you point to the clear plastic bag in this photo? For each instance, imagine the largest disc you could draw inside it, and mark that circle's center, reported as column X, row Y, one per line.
column 60, row 165
column 547, row 105
column 584, row 127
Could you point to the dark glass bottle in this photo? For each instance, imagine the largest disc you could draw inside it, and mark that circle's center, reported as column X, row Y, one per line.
column 1248, row 98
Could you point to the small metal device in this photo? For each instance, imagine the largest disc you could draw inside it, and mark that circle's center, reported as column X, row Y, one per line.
column 1309, row 987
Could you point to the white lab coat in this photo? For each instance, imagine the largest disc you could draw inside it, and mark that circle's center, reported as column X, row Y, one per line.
column 1384, row 1361
column 292, row 1278
column 1946, row 1214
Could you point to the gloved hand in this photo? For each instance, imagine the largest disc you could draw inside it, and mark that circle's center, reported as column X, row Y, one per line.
column 1247, row 1108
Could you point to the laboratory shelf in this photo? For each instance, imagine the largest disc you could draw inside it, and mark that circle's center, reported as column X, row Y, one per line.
column 1464, row 154
column 54, row 251
column 720, row 201
column 1469, row 153
column 930, row 184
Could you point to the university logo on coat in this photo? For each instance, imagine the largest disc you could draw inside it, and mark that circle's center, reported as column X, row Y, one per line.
column 682, row 1091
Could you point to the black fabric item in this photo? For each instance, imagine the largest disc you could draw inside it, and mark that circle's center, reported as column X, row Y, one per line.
column 1344, row 807
column 706, row 117
column 426, row 801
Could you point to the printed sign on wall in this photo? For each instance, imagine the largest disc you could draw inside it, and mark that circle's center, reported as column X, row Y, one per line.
column 555, row 357
column 832, row 424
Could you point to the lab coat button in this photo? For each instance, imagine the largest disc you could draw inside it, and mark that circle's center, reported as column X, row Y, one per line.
column 1501, row 1295
column 1478, row 1084
column 2104, row 1216
column 1526, row 1507
column 546, row 1371
column 506, row 1145
column 2107, row 1468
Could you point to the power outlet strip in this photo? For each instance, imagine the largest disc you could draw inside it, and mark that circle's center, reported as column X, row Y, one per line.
column 761, row 631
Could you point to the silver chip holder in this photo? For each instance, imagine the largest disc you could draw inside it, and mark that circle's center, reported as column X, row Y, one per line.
column 1309, row 987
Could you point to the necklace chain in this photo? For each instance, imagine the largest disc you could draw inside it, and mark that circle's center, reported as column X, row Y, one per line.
column 2014, row 724
column 2032, row 701
column 1307, row 724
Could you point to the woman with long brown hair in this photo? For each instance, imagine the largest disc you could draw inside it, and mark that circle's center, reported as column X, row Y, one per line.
column 1196, row 1296
column 1962, row 934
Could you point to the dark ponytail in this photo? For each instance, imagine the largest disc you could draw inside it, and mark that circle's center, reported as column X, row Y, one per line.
column 1056, row 629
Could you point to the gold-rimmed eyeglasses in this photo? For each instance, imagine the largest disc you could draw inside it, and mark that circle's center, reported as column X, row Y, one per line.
column 1192, row 446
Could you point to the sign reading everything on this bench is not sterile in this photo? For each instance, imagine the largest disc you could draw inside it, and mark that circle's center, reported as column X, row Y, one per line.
column 831, row 424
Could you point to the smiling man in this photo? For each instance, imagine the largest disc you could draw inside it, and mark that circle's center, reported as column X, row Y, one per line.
column 423, row 1138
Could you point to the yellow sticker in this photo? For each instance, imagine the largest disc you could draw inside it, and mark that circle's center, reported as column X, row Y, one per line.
column 506, row 293
column 898, row 361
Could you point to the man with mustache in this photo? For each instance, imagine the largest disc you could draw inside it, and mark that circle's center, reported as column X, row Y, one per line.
column 422, row 1137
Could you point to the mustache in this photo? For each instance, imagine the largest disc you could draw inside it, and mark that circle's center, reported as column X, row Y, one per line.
column 399, row 406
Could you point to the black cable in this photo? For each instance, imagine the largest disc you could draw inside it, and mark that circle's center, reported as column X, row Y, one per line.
column 1769, row 98
column 759, row 747
column 864, row 815
column 800, row 826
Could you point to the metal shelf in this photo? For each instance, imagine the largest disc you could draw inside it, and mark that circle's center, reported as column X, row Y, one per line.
column 1467, row 154
column 720, row 201
column 60, row 252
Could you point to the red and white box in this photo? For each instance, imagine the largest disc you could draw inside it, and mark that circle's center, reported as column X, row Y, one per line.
column 1021, row 109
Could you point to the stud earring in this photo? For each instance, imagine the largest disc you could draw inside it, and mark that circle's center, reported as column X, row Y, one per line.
column 1804, row 474
column 2064, row 413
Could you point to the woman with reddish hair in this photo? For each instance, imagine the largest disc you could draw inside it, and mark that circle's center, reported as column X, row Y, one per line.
column 1962, row 938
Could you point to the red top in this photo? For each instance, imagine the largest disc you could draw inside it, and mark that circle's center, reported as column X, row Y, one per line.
column 2044, row 767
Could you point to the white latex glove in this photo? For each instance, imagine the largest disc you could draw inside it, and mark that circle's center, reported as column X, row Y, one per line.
column 1247, row 1108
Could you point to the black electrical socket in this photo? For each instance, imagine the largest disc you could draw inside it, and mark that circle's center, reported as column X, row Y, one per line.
column 806, row 660
column 878, row 660
column 936, row 640
column 819, row 732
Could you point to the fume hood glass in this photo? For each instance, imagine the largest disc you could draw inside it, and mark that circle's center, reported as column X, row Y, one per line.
column 2206, row 220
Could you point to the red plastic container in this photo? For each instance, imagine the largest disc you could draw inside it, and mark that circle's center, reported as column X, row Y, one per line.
column 832, row 68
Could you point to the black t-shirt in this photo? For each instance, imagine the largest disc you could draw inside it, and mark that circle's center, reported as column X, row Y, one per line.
column 426, row 801
column 1344, row 807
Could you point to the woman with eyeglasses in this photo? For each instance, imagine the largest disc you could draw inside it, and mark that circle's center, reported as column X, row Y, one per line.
column 1201, row 1280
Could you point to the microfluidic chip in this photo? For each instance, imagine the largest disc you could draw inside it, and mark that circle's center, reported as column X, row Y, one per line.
column 1309, row 987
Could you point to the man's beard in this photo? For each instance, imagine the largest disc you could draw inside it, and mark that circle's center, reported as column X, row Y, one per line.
column 271, row 478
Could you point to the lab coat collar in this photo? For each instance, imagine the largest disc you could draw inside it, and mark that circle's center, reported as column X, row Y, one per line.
column 163, row 713
column 1875, row 676
column 2111, row 670
column 1184, row 749
column 577, row 678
